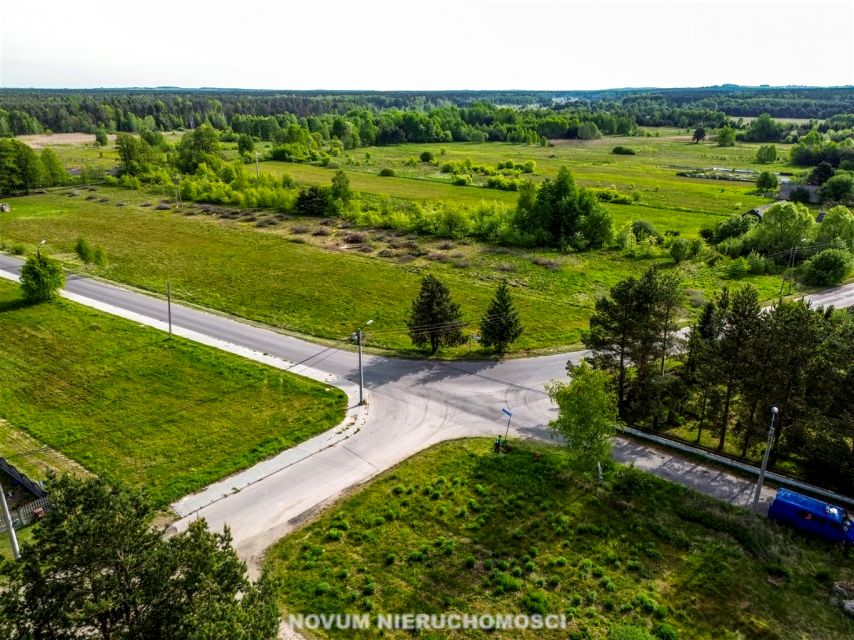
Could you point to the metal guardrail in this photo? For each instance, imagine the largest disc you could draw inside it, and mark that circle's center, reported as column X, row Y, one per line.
column 741, row 466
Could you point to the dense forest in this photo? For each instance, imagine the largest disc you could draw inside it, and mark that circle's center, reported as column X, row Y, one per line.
column 459, row 115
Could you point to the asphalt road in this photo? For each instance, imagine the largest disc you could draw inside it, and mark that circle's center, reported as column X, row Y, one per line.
column 412, row 405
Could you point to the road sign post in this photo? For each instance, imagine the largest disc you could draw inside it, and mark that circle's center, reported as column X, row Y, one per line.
column 509, row 415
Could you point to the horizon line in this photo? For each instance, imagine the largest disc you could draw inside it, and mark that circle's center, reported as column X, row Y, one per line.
column 482, row 90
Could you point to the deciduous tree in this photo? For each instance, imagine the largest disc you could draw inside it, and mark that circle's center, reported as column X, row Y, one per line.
column 587, row 414
column 726, row 136
column 766, row 181
column 96, row 568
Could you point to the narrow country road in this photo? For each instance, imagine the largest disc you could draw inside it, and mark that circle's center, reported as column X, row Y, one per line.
column 411, row 405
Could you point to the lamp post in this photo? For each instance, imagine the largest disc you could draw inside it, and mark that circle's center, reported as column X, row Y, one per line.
column 774, row 412
column 361, row 370
column 10, row 528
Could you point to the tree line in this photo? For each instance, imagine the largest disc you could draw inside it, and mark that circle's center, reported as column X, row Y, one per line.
column 31, row 111
column 23, row 170
column 721, row 378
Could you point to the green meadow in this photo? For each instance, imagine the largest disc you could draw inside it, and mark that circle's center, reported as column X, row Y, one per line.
column 650, row 175
column 458, row 529
column 321, row 280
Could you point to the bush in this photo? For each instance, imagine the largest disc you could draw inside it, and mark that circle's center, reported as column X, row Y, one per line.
column 766, row 154
column 83, row 250
column 839, row 188
column 766, row 181
column 426, row 156
column 387, row 172
column 756, row 262
column 738, row 268
column 41, row 278
column 732, row 227
column 628, row 632
column 535, row 602
column 612, row 195
column 828, row 267
column 680, row 250
column 665, row 632
column 731, row 247
column 643, row 230
column 623, row 151
column 314, row 201
column 799, row 194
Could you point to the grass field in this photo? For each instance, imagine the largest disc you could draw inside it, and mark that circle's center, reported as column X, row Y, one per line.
column 24, row 535
column 651, row 175
column 457, row 529
column 320, row 285
column 124, row 401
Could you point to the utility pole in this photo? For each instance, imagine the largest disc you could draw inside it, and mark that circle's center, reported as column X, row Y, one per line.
column 774, row 412
column 169, row 306
column 177, row 180
column 257, row 170
column 7, row 517
column 788, row 274
column 361, row 370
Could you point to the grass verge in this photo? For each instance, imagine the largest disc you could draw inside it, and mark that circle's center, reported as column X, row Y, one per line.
column 126, row 402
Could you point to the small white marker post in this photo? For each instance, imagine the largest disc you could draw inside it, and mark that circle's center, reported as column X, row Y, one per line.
column 169, row 306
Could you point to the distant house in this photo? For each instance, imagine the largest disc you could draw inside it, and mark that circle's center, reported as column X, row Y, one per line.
column 787, row 188
column 27, row 500
column 757, row 212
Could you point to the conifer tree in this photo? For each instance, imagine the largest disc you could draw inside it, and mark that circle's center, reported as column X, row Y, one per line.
column 500, row 326
column 435, row 319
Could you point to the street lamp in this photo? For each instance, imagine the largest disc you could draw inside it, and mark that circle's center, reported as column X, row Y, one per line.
column 774, row 412
column 361, row 371
column 38, row 249
column 10, row 527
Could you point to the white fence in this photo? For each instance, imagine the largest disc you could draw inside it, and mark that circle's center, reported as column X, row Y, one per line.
column 22, row 516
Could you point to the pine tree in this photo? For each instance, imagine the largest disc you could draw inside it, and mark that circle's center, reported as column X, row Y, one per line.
column 500, row 326
column 435, row 319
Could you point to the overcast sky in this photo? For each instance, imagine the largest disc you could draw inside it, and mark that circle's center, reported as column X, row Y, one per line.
column 412, row 44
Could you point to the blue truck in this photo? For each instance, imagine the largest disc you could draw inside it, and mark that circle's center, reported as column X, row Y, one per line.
column 812, row 516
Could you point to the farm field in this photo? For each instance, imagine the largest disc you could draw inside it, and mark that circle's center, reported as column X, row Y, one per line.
column 457, row 529
column 315, row 279
column 125, row 402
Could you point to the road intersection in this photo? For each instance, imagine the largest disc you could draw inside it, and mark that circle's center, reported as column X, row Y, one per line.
column 411, row 405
